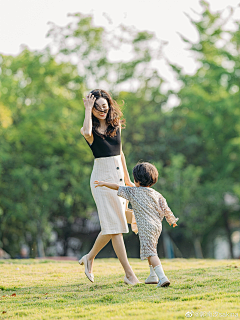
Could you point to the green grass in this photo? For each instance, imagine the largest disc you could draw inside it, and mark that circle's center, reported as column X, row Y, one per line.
column 60, row 290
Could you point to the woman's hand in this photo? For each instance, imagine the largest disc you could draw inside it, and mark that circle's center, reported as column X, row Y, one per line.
column 89, row 101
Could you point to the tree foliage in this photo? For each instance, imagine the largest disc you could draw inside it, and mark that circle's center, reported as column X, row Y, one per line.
column 45, row 164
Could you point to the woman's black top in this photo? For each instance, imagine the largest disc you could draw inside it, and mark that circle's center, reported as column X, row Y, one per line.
column 105, row 146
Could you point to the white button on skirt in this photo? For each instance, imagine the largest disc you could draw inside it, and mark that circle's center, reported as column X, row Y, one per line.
column 110, row 207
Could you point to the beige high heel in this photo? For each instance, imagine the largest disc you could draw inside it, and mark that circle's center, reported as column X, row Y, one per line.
column 84, row 261
column 129, row 282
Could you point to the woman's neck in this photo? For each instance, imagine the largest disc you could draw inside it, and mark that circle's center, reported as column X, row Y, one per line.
column 103, row 123
column 102, row 126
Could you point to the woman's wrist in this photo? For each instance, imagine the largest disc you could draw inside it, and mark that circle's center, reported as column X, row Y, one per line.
column 129, row 183
column 127, row 179
column 89, row 109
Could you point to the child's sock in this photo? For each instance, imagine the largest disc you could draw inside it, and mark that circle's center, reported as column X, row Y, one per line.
column 159, row 271
column 152, row 272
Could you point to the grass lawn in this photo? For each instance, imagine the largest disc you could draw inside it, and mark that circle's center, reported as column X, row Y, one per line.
column 33, row 289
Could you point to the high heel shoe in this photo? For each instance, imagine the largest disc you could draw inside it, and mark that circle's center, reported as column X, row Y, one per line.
column 129, row 282
column 84, row 261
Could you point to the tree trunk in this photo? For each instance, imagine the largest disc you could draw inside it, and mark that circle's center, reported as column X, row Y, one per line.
column 228, row 231
column 176, row 250
column 198, row 248
column 167, row 245
column 67, row 233
column 65, row 246
column 40, row 247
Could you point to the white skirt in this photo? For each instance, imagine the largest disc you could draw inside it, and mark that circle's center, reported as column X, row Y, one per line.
column 110, row 207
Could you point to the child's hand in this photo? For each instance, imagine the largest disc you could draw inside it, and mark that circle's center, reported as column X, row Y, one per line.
column 174, row 225
column 99, row 183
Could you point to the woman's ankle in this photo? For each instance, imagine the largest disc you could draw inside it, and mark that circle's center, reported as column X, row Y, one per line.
column 90, row 258
column 130, row 275
column 132, row 278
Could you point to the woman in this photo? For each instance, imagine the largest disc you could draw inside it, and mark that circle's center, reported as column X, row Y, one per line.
column 102, row 131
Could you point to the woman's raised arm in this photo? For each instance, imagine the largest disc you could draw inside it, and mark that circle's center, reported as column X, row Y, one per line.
column 86, row 130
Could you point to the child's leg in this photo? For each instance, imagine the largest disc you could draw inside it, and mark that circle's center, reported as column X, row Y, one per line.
column 152, row 278
column 156, row 263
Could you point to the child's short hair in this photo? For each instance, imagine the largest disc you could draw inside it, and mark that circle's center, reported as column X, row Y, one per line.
column 146, row 174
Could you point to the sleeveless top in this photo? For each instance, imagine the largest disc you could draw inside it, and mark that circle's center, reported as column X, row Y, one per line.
column 104, row 146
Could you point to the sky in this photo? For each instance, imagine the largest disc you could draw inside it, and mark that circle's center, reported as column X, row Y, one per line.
column 26, row 22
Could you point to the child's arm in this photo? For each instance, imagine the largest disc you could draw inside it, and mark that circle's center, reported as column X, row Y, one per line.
column 113, row 186
column 171, row 219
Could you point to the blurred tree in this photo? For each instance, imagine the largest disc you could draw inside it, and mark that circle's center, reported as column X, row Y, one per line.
column 200, row 136
column 45, row 164
column 209, row 105
column 40, row 148
column 94, row 51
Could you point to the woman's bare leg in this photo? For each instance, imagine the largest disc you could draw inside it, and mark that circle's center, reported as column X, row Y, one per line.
column 119, row 248
column 100, row 242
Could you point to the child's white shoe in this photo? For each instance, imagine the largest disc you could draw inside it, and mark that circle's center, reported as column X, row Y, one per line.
column 152, row 279
column 163, row 282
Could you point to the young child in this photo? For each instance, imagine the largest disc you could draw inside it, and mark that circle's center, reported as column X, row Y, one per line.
column 149, row 207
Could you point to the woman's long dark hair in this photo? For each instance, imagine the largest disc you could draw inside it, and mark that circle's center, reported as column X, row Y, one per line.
column 114, row 114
